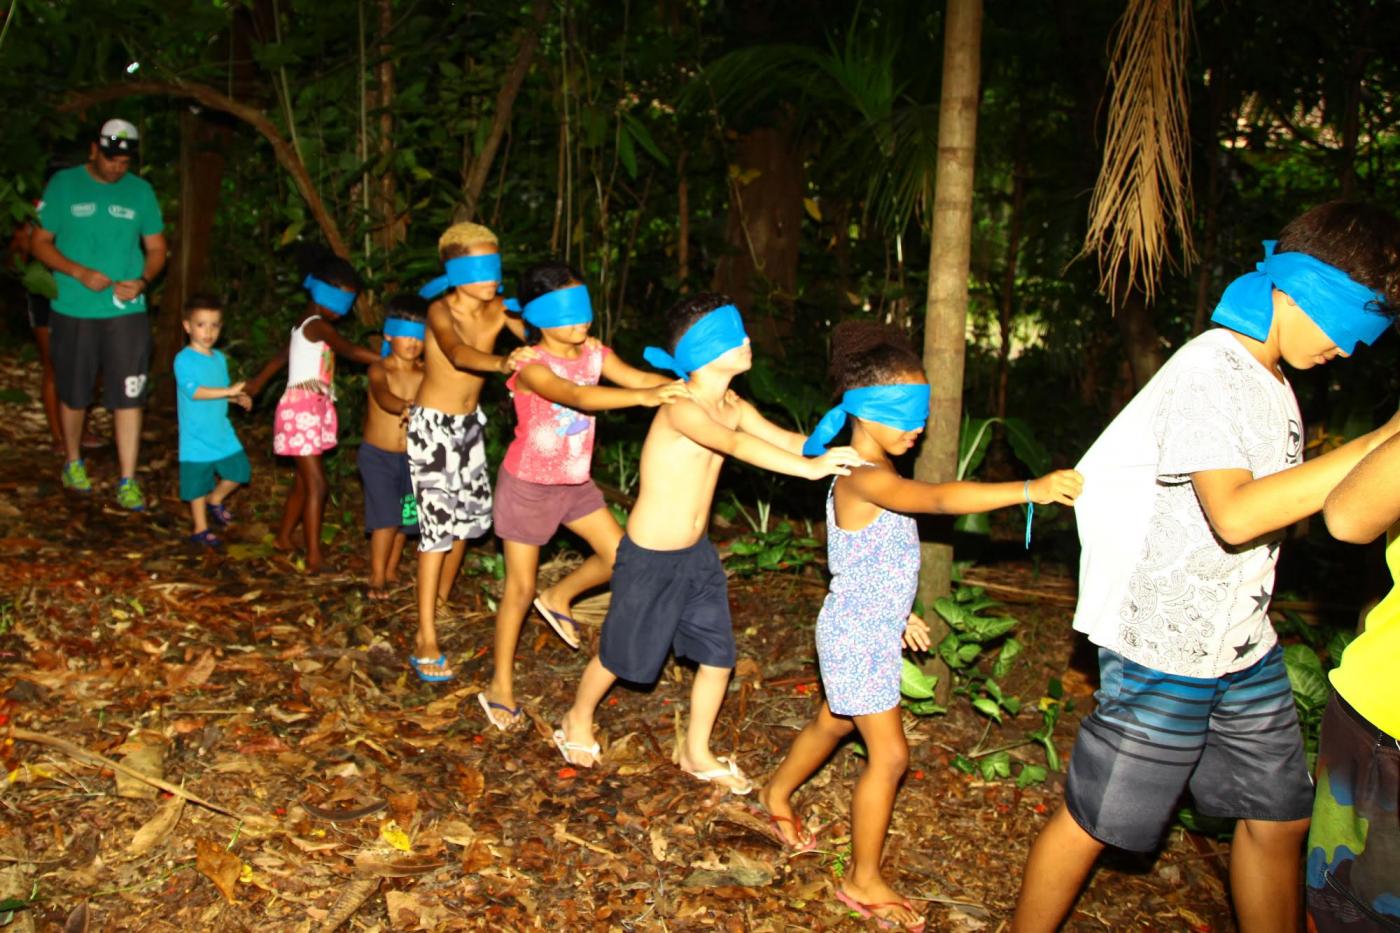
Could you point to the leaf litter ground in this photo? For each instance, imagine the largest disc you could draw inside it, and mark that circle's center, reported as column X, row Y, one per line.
column 369, row 801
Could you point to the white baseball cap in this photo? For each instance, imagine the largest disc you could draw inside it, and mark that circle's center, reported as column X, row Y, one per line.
column 118, row 138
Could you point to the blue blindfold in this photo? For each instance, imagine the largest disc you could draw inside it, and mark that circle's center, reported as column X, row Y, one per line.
column 397, row 327
column 1343, row 308
column 560, row 308
column 708, row 339
column 900, row 406
column 464, row 270
column 336, row 301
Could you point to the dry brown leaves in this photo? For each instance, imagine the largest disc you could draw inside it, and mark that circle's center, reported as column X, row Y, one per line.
column 377, row 802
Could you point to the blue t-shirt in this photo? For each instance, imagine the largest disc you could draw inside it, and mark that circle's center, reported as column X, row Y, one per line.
column 206, row 434
column 99, row 225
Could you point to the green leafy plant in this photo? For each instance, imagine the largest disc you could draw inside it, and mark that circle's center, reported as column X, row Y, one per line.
column 778, row 549
column 973, row 441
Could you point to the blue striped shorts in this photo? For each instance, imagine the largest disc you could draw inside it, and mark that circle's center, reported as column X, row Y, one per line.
column 1233, row 741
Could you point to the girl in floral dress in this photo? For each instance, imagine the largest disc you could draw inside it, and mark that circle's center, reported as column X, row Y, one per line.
column 306, row 421
column 873, row 554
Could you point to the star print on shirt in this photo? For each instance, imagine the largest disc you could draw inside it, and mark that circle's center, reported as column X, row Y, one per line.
column 1245, row 649
column 1261, row 602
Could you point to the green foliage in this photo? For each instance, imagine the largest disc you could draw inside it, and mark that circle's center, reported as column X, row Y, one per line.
column 778, row 549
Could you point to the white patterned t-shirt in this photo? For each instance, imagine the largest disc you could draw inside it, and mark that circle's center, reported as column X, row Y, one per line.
column 1156, row 585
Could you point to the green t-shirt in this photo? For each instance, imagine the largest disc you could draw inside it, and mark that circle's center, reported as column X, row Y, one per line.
column 100, row 226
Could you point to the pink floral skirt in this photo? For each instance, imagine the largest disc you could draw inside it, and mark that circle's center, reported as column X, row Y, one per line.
column 306, row 424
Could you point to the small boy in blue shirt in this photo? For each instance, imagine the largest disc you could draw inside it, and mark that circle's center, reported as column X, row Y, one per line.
column 209, row 448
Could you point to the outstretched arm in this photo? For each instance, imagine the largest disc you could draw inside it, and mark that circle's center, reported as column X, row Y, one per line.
column 1367, row 501
column 692, row 421
column 462, row 354
column 889, row 490
column 320, row 329
column 751, row 422
column 543, row 382
column 384, row 396
column 622, row 373
column 270, row 369
column 1241, row 508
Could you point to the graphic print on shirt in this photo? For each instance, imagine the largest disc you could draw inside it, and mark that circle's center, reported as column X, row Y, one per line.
column 568, row 422
column 1194, row 605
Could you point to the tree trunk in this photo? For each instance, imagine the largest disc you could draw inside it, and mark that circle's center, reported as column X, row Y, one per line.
column 683, row 225
column 764, row 231
column 950, row 256
column 1141, row 343
column 392, row 226
column 1006, row 310
column 204, row 140
column 526, row 43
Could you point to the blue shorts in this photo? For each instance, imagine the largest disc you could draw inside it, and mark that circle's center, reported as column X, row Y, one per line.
column 664, row 600
column 197, row 480
column 1233, row 740
column 389, row 499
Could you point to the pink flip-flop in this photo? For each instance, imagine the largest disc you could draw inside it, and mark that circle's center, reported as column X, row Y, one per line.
column 867, row 911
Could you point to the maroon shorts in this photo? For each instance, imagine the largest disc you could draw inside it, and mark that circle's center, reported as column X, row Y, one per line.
column 530, row 513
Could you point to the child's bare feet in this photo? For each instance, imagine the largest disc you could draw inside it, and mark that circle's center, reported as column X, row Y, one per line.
column 880, row 902
column 711, row 770
column 786, row 823
column 283, row 544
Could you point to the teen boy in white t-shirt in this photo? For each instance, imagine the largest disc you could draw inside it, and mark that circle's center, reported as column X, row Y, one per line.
column 1185, row 497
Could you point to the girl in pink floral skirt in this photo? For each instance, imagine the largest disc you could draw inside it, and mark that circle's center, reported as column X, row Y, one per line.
column 306, row 420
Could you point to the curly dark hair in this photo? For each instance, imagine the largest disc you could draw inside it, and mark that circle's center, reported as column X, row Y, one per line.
column 868, row 353
column 330, row 268
column 683, row 314
column 545, row 277
column 1360, row 239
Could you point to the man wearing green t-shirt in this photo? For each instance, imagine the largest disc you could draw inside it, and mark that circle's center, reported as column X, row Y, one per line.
column 100, row 233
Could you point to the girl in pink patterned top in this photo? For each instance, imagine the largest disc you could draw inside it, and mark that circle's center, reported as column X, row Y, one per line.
column 305, row 421
column 544, row 480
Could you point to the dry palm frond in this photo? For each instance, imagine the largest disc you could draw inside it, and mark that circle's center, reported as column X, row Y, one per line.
column 593, row 610
column 1144, row 185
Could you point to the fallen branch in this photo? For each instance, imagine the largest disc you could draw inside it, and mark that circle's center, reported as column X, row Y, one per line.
column 286, row 155
column 77, row 751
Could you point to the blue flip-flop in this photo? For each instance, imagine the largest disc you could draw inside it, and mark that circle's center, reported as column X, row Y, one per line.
column 557, row 621
column 419, row 663
column 488, row 705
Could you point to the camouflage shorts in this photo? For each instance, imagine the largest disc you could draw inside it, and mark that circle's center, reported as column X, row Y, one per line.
column 1353, row 881
column 447, row 463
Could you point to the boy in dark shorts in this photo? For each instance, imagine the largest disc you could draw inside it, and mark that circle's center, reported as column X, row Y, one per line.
column 391, row 514
column 446, row 450
column 669, row 591
column 1185, row 499
column 212, row 461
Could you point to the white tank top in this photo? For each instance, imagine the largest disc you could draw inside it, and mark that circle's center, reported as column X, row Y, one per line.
column 310, row 363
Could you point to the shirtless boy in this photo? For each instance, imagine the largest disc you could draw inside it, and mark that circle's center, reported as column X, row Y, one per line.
column 669, row 590
column 446, row 449
column 390, row 512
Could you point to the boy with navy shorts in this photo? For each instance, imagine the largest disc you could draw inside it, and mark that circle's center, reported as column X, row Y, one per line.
column 669, row 592
column 1186, row 496
column 212, row 461
column 391, row 514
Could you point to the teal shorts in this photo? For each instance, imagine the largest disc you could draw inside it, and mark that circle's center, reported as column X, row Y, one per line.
column 197, row 479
